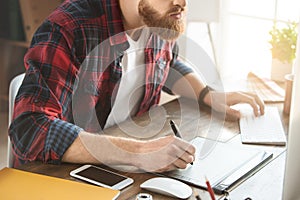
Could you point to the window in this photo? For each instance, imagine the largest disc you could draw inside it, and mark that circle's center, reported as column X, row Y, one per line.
column 242, row 34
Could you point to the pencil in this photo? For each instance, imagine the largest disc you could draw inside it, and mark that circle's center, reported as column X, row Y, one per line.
column 210, row 190
column 176, row 131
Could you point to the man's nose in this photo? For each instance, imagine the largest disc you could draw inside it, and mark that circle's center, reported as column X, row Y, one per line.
column 182, row 3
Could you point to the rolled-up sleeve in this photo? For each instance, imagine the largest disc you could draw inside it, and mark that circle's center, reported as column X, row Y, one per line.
column 36, row 137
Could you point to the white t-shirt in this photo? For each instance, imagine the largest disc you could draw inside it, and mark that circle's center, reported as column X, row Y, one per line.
column 131, row 88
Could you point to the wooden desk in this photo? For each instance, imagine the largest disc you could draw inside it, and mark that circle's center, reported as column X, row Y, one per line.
column 189, row 120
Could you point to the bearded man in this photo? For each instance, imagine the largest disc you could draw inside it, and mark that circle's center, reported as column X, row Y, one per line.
column 93, row 64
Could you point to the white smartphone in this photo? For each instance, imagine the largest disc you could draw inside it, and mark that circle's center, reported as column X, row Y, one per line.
column 101, row 177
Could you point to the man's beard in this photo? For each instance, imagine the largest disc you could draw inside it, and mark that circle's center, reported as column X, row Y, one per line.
column 165, row 26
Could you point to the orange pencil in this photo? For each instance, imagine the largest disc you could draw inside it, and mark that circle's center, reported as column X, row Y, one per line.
column 210, row 190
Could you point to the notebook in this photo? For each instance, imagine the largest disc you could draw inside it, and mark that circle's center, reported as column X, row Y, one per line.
column 17, row 184
column 223, row 164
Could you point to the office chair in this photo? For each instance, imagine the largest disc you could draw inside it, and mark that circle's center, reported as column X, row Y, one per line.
column 13, row 90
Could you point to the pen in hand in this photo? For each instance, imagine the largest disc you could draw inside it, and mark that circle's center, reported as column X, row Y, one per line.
column 176, row 131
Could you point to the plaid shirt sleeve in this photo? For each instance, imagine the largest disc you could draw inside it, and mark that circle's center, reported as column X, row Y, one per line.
column 177, row 70
column 40, row 129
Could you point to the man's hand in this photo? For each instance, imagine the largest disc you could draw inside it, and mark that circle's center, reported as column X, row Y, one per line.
column 190, row 86
column 165, row 154
column 221, row 102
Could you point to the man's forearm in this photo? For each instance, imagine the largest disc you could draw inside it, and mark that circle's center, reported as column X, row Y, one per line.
column 188, row 86
column 169, row 152
column 97, row 149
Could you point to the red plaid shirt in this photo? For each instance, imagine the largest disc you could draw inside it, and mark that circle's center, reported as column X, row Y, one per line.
column 71, row 78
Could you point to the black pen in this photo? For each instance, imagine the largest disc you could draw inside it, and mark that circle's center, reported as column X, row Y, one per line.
column 176, row 131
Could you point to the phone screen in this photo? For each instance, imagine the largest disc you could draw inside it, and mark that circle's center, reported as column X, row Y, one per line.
column 101, row 176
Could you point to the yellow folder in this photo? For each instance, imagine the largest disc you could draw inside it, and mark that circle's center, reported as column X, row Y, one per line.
column 16, row 184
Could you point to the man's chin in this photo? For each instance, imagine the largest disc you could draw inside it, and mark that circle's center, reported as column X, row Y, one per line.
column 166, row 34
column 169, row 36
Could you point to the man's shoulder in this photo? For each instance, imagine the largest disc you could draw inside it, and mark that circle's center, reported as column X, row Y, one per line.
column 77, row 13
